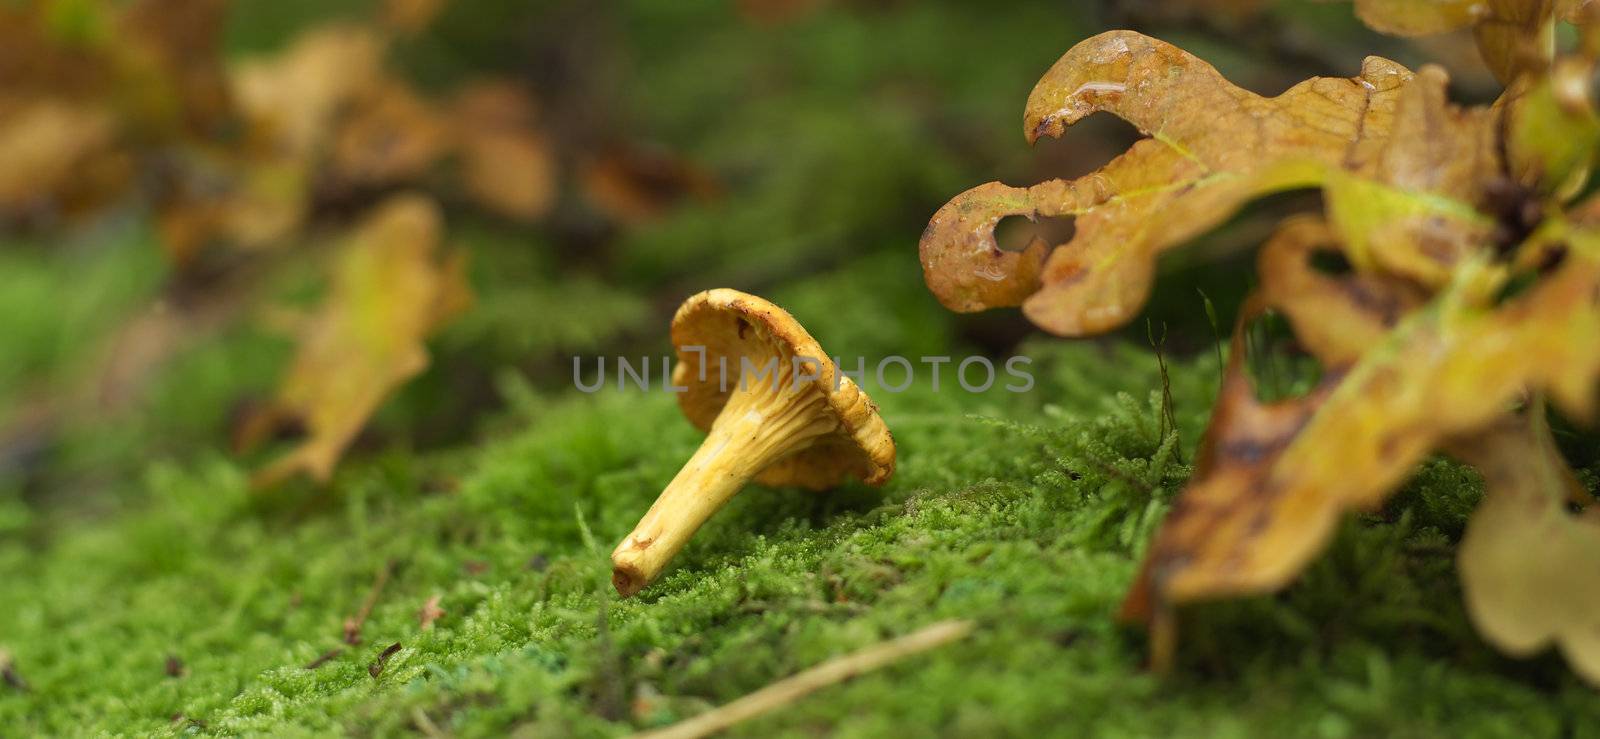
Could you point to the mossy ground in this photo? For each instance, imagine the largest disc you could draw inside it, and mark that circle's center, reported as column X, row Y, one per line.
column 129, row 540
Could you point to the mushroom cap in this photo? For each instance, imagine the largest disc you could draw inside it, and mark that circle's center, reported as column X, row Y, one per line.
column 733, row 325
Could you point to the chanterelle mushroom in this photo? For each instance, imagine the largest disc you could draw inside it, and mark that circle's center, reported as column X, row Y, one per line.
column 774, row 408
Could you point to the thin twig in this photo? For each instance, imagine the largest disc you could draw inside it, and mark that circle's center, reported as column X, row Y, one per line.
column 326, row 657
column 1169, row 414
column 377, row 666
column 352, row 625
column 430, row 613
column 791, row 689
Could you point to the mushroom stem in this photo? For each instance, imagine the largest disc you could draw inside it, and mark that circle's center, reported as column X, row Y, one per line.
column 760, row 424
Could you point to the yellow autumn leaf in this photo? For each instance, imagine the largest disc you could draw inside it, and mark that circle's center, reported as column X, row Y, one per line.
column 1273, row 478
column 1530, row 571
column 1513, row 36
column 54, row 153
column 1552, row 131
column 291, row 99
column 391, row 290
column 1404, row 171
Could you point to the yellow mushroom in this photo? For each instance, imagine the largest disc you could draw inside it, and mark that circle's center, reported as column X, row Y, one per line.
column 775, row 409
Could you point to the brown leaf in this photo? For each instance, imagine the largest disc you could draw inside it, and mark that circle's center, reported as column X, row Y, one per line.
column 240, row 200
column 377, row 666
column 257, row 193
column 169, row 56
column 291, row 99
column 1552, row 130
column 411, row 17
column 1272, row 479
column 1404, row 172
column 1336, row 318
column 429, row 613
column 507, row 164
column 390, row 136
column 1412, row 213
column 1211, row 147
column 633, row 184
column 35, row 63
column 1514, row 36
column 390, row 292
column 58, row 155
column 1418, row 17
column 1527, row 565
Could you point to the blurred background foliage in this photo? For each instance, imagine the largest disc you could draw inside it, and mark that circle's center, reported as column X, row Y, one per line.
column 181, row 181
column 677, row 146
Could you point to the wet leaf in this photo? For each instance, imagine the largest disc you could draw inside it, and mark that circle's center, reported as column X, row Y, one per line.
column 391, row 290
column 1412, row 213
column 1514, row 36
column 507, row 164
column 1404, row 171
column 1336, row 318
column 1552, row 129
column 1273, row 479
column 1418, row 17
column 1527, row 565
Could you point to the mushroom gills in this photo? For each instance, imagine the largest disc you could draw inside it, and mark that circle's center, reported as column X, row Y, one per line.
column 762, row 423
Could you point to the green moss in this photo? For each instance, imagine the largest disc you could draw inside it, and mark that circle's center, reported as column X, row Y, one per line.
column 491, row 484
column 1030, row 526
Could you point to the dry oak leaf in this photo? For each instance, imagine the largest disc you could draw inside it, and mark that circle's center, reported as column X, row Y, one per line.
column 390, row 136
column 168, row 54
column 635, row 183
column 58, row 154
column 411, row 17
column 248, row 200
column 1414, row 211
column 1405, row 202
column 155, row 63
column 507, row 164
column 255, row 195
column 1335, row 318
column 1552, row 131
column 1514, row 36
column 1191, row 173
column 1528, row 567
column 391, row 291
column 291, row 100
column 1272, row 479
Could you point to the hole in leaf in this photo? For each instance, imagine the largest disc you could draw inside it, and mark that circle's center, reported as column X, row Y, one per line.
column 1278, row 368
column 1016, row 232
column 1330, row 263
